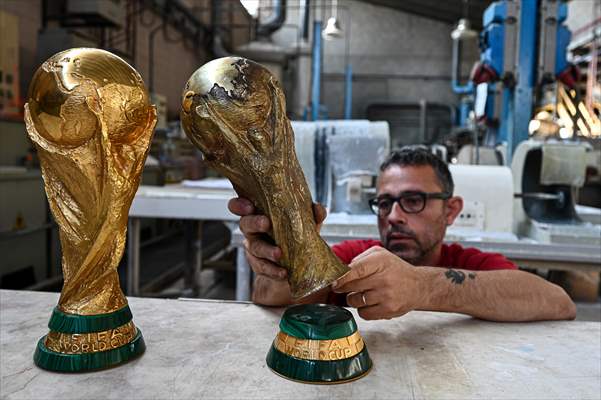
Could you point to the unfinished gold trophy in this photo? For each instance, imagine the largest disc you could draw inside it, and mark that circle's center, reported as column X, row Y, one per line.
column 90, row 118
column 234, row 111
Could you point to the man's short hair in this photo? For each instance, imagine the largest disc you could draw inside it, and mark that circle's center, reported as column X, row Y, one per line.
column 410, row 156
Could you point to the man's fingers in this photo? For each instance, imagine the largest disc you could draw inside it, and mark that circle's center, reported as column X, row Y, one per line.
column 254, row 224
column 358, row 285
column 371, row 250
column 362, row 299
column 264, row 267
column 372, row 312
column 270, row 292
column 261, row 249
column 319, row 213
column 240, row 206
column 359, row 271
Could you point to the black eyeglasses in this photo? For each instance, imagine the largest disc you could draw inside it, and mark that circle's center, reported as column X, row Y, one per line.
column 410, row 202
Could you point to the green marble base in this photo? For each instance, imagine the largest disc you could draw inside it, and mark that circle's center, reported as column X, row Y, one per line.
column 59, row 362
column 319, row 372
column 73, row 323
column 89, row 329
column 319, row 344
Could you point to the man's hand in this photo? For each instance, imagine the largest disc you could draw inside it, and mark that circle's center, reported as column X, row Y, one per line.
column 381, row 285
column 271, row 282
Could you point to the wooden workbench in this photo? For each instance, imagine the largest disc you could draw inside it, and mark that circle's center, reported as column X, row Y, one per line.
column 214, row 349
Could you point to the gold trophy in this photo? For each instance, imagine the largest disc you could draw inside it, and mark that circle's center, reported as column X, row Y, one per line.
column 90, row 118
column 234, row 111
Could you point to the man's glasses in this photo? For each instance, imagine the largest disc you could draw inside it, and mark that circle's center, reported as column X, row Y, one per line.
column 410, row 202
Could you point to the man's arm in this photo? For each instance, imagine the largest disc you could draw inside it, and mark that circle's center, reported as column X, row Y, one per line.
column 384, row 286
column 501, row 295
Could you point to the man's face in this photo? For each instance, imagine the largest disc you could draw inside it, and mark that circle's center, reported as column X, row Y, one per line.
column 413, row 237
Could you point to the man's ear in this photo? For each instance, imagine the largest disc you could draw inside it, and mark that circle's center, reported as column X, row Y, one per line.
column 454, row 207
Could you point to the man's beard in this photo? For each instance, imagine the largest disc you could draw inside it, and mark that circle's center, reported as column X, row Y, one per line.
column 414, row 253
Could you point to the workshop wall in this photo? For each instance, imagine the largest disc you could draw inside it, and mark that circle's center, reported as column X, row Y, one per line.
column 396, row 56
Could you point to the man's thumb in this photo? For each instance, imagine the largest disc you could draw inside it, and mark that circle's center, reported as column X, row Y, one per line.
column 319, row 213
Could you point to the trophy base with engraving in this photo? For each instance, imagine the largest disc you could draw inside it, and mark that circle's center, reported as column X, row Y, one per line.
column 319, row 344
column 78, row 343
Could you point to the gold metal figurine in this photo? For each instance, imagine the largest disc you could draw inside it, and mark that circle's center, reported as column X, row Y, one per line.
column 90, row 118
column 234, row 111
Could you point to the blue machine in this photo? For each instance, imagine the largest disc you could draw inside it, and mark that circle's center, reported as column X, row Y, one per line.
column 523, row 47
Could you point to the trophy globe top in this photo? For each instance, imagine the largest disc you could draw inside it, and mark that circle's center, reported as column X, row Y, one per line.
column 77, row 90
column 227, row 95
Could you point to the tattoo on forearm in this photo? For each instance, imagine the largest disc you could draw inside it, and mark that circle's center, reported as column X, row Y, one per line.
column 456, row 277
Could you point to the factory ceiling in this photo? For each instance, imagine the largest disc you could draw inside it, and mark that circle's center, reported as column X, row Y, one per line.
column 446, row 10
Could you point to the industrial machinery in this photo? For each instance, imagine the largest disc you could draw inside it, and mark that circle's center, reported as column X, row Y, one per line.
column 487, row 214
column 340, row 159
column 546, row 178
column 355, row 150
column 523, row 53
column 523, row 64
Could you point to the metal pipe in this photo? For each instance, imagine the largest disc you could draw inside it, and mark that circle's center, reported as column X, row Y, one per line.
column 523, row 93
column 275, row 22
column 348, row 73
column 151, row 57
column 44, row 14
column 476, row 146
column 509, row 112
column 243, row 276
column 423, row 110
column 456, row 71
column 217, row 46
column 539, row 196
column 306, row 15
column 133, row 256
column 348, row 91
column 316, row 71
column 49, row 267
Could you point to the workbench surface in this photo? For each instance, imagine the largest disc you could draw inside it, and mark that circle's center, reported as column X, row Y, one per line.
column 214, row 349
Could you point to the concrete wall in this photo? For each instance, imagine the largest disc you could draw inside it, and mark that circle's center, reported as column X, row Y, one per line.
column 396, row 57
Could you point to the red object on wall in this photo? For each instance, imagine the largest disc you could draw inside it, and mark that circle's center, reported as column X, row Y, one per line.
column 482, row 73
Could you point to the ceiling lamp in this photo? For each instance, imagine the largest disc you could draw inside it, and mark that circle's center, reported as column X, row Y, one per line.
column 462, row 31
column 332, row 29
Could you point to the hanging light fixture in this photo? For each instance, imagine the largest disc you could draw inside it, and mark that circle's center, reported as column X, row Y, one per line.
column 332, row 29
column 463, row 30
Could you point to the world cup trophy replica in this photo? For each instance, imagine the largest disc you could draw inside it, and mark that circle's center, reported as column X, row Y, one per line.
column 89, row 116
column 234, row 111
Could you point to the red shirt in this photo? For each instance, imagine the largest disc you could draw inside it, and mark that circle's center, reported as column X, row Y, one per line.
column 452, row 256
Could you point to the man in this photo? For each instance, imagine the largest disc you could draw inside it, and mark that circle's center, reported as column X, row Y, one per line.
column 410, row 268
